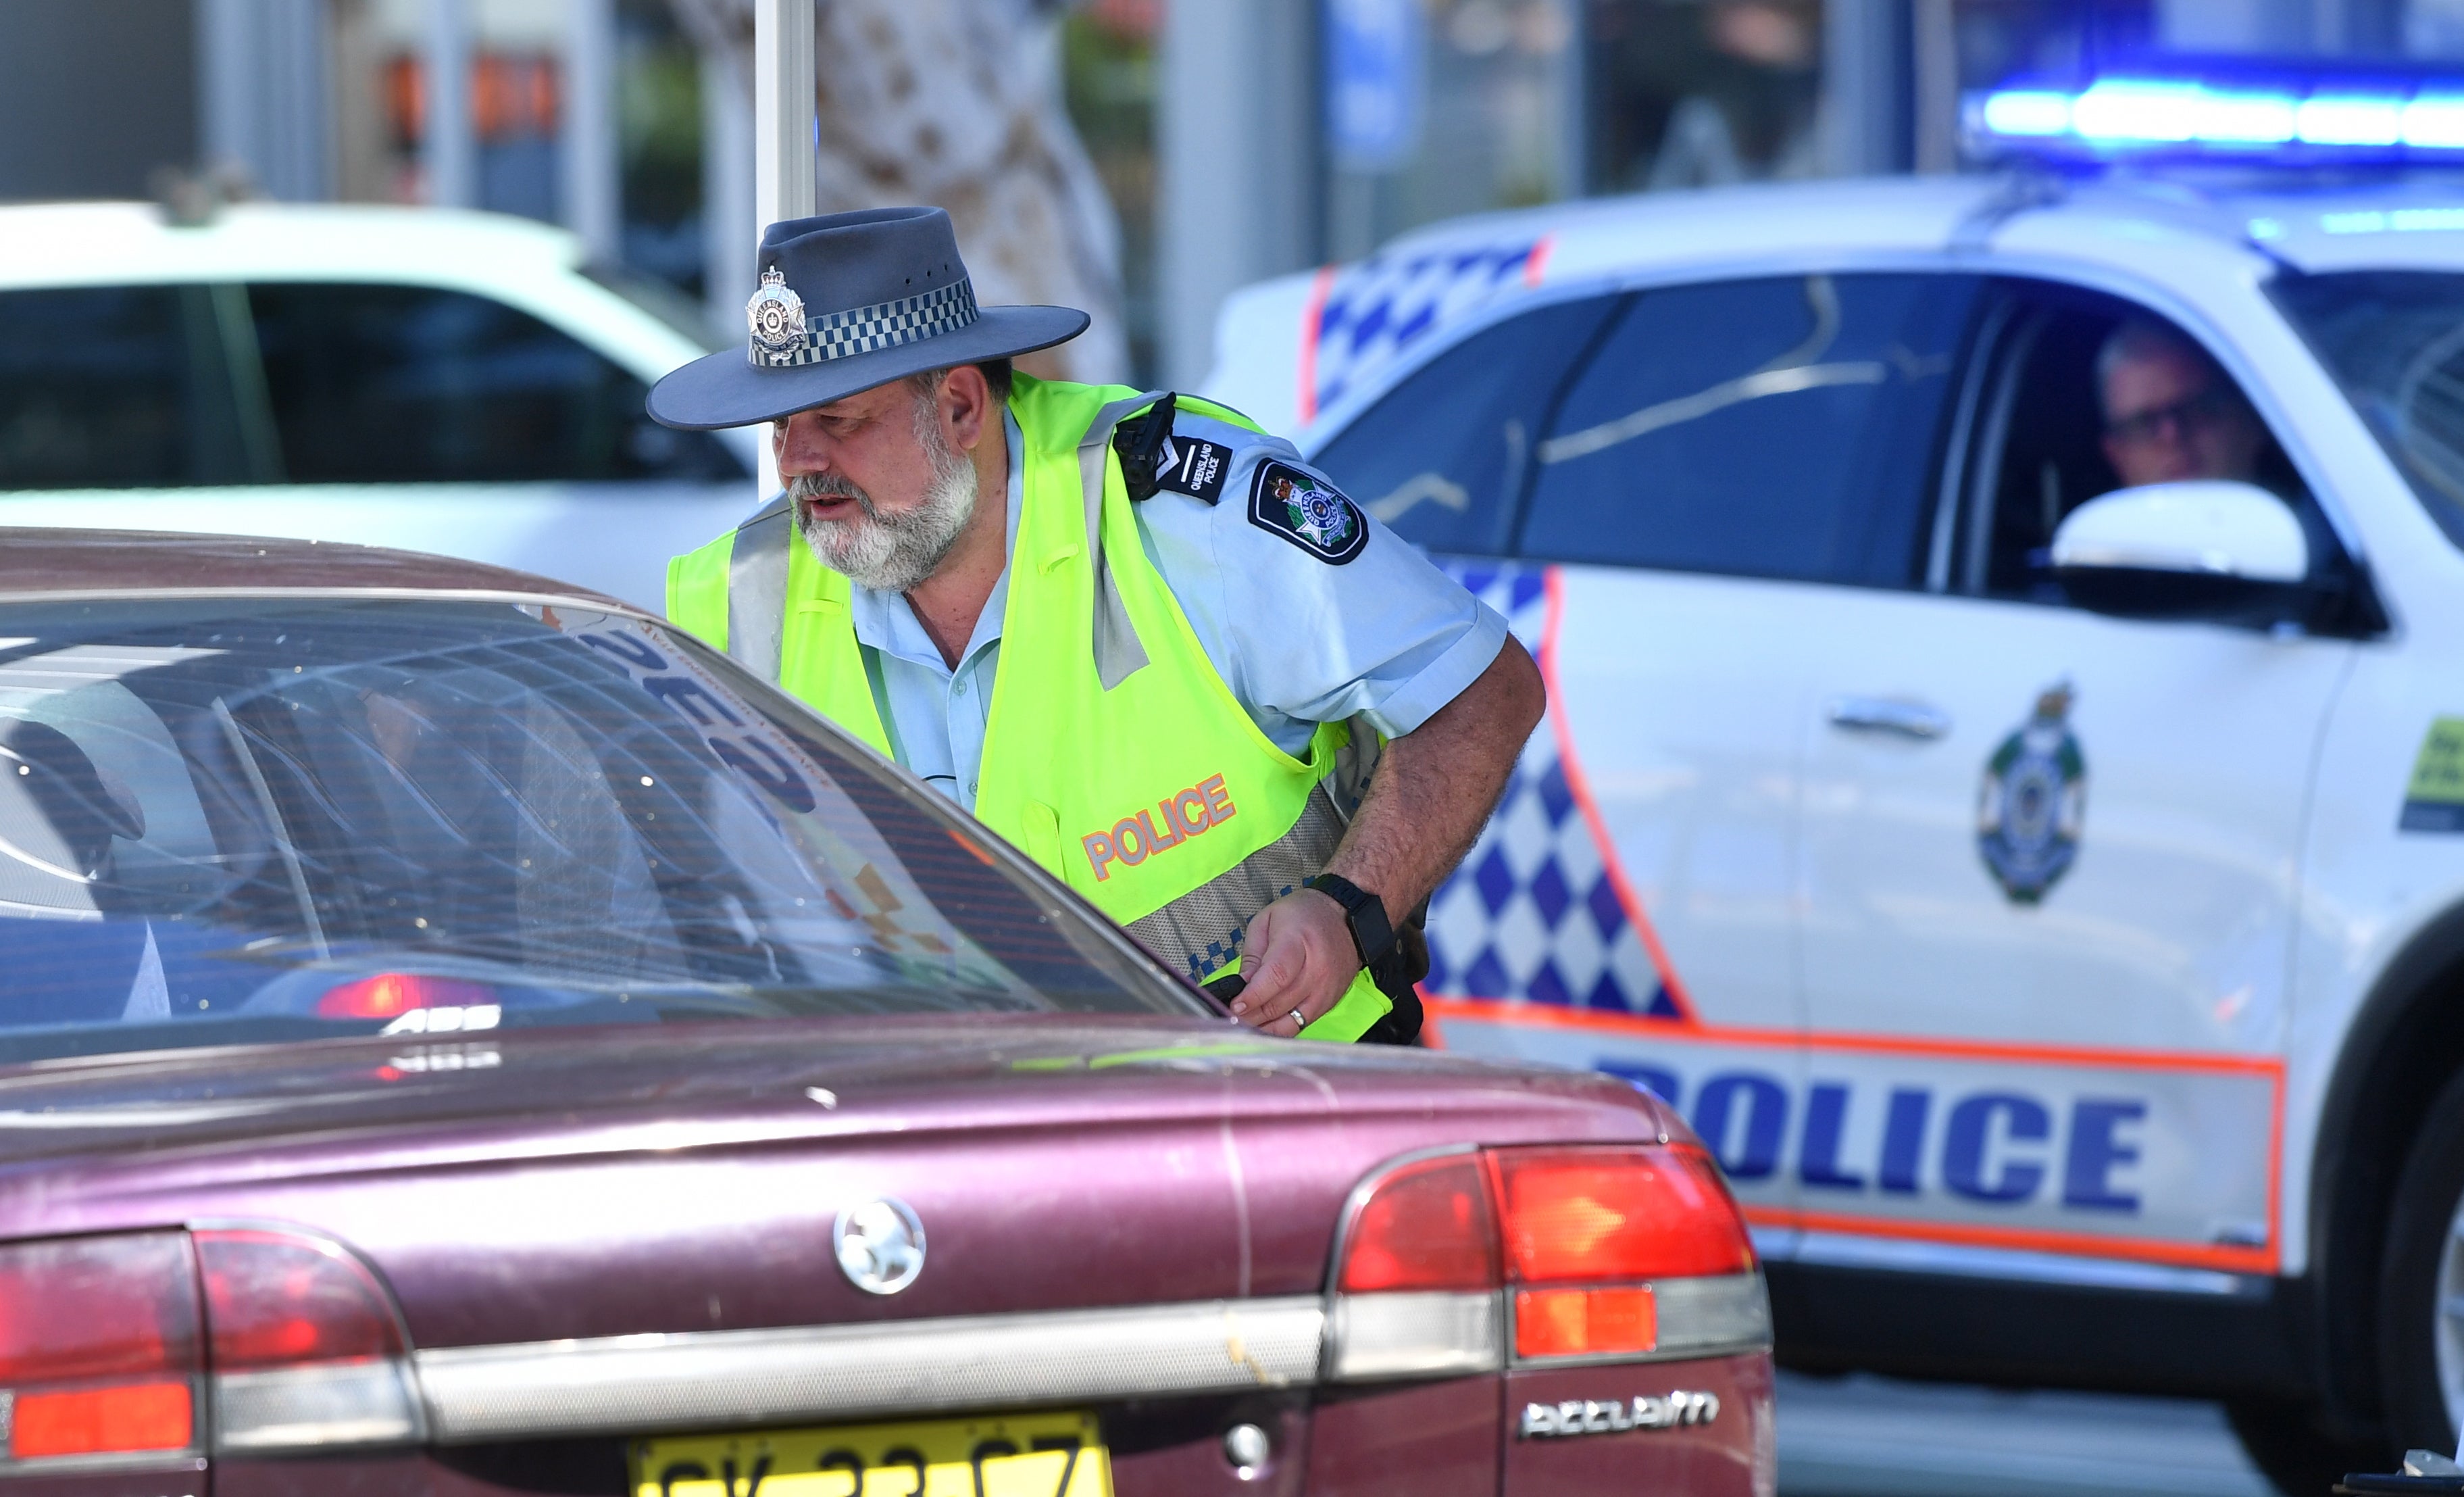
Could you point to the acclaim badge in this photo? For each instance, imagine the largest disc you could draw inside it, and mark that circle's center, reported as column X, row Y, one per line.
column 2032, row 804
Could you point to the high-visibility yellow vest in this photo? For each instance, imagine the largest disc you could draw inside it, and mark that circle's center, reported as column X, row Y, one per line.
column 1115, row 755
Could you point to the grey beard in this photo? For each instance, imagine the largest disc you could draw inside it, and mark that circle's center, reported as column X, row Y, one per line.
column 891, row 552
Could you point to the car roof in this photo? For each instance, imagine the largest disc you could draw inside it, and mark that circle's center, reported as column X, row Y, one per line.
column 132, row 564
column 1319, row 344
column 88, row 243
column 2338, row 224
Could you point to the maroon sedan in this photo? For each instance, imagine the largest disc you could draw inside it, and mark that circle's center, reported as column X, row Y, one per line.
column 458, row 1035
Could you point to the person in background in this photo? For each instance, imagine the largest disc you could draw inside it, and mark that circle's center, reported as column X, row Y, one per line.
column 2171, row 415
column 1133, row 634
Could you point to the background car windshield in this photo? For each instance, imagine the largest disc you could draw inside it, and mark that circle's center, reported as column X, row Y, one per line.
column 248, row 820
column 2396, row 340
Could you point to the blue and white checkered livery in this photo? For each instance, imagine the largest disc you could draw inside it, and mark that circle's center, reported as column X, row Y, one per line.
column 1380, row 308
column 1534, row 914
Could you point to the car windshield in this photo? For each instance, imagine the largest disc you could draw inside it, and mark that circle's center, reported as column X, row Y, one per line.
column 2395, row 339
column 246, row 819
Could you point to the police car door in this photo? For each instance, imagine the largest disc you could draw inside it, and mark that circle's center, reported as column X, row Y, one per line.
column 1703, row 466
column 2047, row 870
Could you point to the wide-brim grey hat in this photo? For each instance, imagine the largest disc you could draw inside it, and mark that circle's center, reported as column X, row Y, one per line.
column 847, row 301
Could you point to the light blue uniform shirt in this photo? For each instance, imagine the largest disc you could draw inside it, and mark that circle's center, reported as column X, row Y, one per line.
column 1298, row 640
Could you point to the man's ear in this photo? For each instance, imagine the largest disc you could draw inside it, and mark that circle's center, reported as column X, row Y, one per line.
column 966, row 404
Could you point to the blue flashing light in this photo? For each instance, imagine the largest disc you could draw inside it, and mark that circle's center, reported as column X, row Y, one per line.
column 2246, row 119
column 2379, row 117
column 2435, row 122
column 2130, row 110
column 2030, row 112
column 2349, row 121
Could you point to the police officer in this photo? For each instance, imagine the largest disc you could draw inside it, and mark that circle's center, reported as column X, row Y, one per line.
column 1133, row 633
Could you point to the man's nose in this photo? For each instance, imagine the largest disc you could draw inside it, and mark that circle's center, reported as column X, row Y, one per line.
column 801, row 450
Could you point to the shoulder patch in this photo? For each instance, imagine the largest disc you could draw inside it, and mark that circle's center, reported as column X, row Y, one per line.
column 1307, row 511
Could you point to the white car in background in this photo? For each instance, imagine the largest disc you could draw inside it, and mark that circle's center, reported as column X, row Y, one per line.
column 431, row 379
column 2047, row 902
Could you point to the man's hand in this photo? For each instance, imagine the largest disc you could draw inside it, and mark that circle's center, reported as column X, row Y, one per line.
column 1297, row 960
column 1432, row 793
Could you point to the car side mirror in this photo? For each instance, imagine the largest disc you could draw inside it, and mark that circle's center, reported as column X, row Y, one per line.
column 2203, row 549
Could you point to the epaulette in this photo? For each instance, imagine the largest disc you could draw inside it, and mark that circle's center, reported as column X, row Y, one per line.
column 1155, row 459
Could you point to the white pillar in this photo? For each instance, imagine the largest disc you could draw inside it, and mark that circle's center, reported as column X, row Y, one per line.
column 591, row 183
column 729, row 226
column 785, row 179
column 1238, row 124
column 784, row 165
column 450, row 145
column 261, row 94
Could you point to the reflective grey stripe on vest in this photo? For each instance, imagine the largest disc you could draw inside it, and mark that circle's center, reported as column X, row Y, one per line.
column 756, row 588
column 1119, row 654
column 1200, row 932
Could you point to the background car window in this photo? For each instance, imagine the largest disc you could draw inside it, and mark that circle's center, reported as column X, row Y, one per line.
column 113, row 388
column 413, row 385
column 2041, row 442
column 2396, row 340
column 1441, row 457
column 1771, row 427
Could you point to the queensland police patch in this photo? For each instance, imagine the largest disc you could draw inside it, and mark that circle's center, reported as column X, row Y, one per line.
column 2032, row 805
column 1307, row 511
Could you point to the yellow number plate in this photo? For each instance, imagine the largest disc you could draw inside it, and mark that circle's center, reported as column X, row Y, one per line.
column 1034, row 1455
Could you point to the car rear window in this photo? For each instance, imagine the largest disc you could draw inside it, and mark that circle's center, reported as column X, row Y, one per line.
column 2395, row 339
column 230, row 821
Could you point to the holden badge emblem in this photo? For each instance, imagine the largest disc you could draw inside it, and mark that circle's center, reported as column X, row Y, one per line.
column 880, row 1245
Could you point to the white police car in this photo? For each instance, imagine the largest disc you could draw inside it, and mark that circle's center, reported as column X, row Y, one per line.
column 2050, row 907
column 436, row 381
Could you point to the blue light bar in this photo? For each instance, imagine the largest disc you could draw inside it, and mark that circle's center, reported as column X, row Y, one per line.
column 2205, row 112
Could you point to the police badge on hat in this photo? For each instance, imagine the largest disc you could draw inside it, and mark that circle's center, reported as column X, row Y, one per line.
column 776, row 315
column 1307, row 511
column 2033, row 801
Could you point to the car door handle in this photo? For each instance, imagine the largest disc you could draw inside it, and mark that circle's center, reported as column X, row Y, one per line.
column 1883, row 715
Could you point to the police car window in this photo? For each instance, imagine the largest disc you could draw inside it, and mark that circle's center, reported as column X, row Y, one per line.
column 2046, row 441
column 1441, row 457
column 2396, row 340
column 1769, row 428
column 113, row 388
column 414, row 384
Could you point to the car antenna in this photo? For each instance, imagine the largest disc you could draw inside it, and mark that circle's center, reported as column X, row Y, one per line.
column 194, row 199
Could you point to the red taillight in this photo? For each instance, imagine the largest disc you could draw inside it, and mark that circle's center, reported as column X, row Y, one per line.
column 98, row 1345
column 1427, row 1226
column 105, row 1347
column 1589, row 1214
column 390, row 995
column 85, row 1422
column 275, row 1300
column 1584, row 1322
column 1619, row 1251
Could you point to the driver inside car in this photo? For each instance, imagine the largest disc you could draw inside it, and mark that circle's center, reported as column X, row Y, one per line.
column 2170, row 415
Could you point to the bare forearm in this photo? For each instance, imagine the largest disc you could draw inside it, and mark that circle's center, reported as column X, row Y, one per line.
column 1436, row 785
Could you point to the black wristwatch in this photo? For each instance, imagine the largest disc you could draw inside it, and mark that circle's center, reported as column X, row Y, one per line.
column 1373, row 934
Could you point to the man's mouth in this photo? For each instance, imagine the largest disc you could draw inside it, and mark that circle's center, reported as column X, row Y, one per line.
column 831, row 506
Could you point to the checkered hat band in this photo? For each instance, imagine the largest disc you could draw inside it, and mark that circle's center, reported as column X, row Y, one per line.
column 885, row 325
